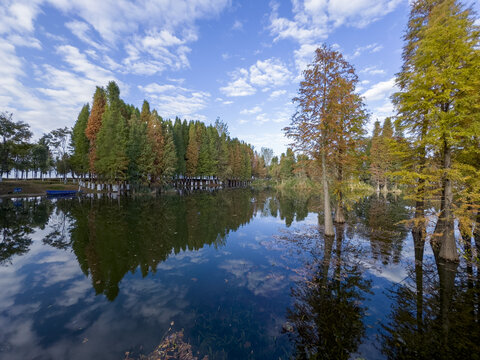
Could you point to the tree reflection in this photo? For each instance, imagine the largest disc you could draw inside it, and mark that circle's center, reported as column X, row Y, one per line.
column 435, row 313
column 327, row 312
column 112, row 238
column 380, row 220
column 17, row 222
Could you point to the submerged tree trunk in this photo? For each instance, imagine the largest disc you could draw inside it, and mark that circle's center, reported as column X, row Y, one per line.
column 445, row 228
column 326, row 196
column 419, row 244
column 446, row 274
column 339, row 214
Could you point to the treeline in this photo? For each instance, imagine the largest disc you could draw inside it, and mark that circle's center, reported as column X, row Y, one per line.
column 112, row 141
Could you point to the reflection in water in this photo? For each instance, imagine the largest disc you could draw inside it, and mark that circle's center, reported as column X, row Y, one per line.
column 17, row 222
column 327, row 315
column 435, row 311
column 172, row 261
column 380, row 220
column 111, row 239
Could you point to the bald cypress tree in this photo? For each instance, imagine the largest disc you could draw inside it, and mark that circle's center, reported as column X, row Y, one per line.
column 439, row 104
column 80, row 142
column 95, row 123
column 111, row 142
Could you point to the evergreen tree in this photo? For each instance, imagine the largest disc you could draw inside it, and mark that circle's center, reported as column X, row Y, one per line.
column 439, row 101
column 111, row 141
column 180, row 147
column 192, row 151
column 95, row 123
column 136, row 146
column 80, row 142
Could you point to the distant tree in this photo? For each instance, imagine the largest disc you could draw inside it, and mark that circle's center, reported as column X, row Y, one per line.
column 59, row 139
column 222, row 127
column 12, row 135
column 267, row 155
column 192, row 151
column 287, row 163
column 180, row 146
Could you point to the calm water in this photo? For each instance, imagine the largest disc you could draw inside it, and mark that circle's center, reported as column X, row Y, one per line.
column 245, row 275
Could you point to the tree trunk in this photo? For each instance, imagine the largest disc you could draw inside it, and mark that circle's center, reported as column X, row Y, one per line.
column 339, row 214
column 446, row 274
column 326, row 195
column 419, row 244
column 445, row 228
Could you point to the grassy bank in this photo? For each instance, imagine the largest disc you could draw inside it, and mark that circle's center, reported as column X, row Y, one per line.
column 32, row 187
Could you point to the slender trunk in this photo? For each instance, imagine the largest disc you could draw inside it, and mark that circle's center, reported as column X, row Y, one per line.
column 446, row 274
column 326, row 195
column 445, row 228
column 339, row 214
column 476, row 233
column 419, row 244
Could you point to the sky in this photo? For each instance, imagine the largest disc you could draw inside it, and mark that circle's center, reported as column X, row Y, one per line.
column 241, row 61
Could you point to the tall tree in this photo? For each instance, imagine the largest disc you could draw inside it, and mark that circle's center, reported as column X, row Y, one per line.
column 12, row 135
column 327, row 108
column 111, row 141
column 439, row 101
column 95, row 123
column 267, row 155
column 80, row 142
column 59, row 140
column 192, row 151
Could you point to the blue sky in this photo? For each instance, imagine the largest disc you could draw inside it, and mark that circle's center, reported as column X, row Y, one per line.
column 198, row 59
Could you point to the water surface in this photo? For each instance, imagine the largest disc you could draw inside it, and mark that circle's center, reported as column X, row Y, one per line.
column 245, row 275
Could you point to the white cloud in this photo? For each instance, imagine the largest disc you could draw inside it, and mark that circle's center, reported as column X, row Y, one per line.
column 264, row 74
column 373, row 70
column 237, row 25
column 82, row 31
column 371, row 48
column 254, row 110
column 380, row 91
column 270, row 72
column 238, row 87
column 313, row 20
column 171, row 100
column 277, row 93
column 304, row 56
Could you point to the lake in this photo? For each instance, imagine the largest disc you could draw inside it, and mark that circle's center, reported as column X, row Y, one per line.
column 233, row 274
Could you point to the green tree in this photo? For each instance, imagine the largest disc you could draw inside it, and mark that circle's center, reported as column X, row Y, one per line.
column 12, row 135
column 180, row 147
column 59, row 140
column 80, row 142
column 94, row 124
column 111, row 141
column 329, row 121
column 439, row 101
column 192, row 151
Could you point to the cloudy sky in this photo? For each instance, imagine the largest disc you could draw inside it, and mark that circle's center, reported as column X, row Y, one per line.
column 197, row 59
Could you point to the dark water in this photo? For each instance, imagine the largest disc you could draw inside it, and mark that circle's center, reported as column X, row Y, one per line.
column 246, row 276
